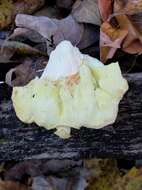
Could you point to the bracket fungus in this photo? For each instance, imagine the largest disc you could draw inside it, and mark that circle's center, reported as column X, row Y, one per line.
column 74, row 90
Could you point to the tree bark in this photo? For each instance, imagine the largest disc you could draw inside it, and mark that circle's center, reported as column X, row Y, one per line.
column 122, row 140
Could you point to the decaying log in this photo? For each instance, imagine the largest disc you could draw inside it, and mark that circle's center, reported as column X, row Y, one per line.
column 122, row 140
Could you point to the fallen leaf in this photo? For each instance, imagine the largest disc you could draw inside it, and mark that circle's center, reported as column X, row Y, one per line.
column 59, row 183
column 129, row 7
column 136, row 19
column 134, row 48
column 110, row 40
column 6, row 54
column 8, row 48
column 27, row 6
column 6, row 9
column 86, row 12
column 22, row 74
column 133, row 41
column 21, row 34
column 75, row 181
column 57, row 166
column 54, row 31
column 43, row 25
column 28, row 167
column 107, row 176
column 105, row 7
column 54, row 183
column 133, row 6
column 71, row 30
column 67, row 4
column 104, row 174
column 10, row 185
column 78, row 182
column 40, row 167
column 9, row 8
column 132, row 180
column 40, row 183
column 51, row 12
column 130, row 42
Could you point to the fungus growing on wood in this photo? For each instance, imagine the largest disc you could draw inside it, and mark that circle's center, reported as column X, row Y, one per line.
column 74, row 90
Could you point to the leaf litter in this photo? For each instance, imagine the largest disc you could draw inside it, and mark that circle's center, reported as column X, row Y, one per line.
column 92, row 174
column 81, row 26
column 119, row 23
column 123, row 12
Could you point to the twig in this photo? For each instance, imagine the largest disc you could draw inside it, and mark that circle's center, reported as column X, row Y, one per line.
column 2, row 82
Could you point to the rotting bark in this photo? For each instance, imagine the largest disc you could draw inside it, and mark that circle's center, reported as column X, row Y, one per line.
column 122, row 140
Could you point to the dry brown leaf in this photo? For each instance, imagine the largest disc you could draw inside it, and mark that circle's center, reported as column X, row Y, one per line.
column 133, row 6
column 27, row 6
column 129, row 7
column 20, row 48
column 125, row 22
column 105, row 7
column 86, row 12
column 104, row 174
column 10, row 185
column 134, row 48
column 107, row 176
column 110, row 40
column 9, row 8
column 130, row 181
column 22, row 74
column 133, row 41
column 130, row 42
column 8, row 48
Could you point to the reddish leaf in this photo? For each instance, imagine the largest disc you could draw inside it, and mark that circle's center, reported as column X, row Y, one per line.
column 133, row 41
column 134, row 48
column 105, row 7
column 110, row 40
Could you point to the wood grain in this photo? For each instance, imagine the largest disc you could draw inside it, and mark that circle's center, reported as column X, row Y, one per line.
column 122, row 140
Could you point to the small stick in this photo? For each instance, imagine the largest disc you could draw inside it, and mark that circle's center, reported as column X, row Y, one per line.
column 2, row 82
